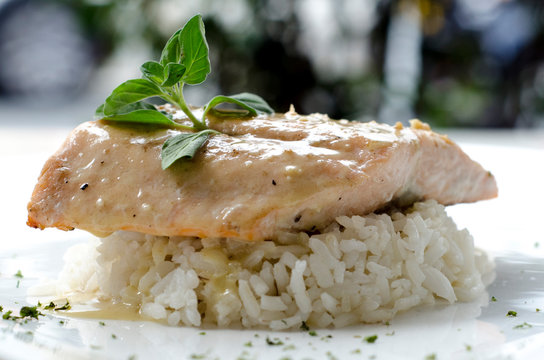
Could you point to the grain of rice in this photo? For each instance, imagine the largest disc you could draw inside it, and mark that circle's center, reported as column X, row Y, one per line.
column 248, row 299
column 272, row 303
column 258, row 284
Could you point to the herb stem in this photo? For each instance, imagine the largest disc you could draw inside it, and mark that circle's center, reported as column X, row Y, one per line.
column 183, row 127
column 176, row 98
column 178, row 89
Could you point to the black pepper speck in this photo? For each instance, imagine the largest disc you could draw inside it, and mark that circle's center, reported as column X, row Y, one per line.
column 273, row 182
column 84, row 186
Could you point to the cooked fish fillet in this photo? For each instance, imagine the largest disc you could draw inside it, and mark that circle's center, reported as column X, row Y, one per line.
column 261, row 177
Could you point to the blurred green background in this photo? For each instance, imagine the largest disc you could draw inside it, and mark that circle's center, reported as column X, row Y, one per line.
column 452, row 63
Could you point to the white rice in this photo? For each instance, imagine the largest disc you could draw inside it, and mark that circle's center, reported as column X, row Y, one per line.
column 362, row 269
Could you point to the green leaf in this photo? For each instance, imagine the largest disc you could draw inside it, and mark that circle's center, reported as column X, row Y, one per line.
column 254, row 104
column 255, row 101
column 99, row 112
column 173, row 73
column 153, row 71
column 171, row 53
column 129, row 92
column 194, row 49
column 151, row 117
column 143, row 113
column 139, row 105
column 183, row 146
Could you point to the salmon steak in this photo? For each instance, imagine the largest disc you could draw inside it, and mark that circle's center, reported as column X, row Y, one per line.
column 258, row 178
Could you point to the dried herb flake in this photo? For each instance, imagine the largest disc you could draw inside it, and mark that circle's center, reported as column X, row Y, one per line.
column 371, row 339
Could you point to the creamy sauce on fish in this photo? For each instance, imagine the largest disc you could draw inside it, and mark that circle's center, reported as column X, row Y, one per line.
column 260, row 176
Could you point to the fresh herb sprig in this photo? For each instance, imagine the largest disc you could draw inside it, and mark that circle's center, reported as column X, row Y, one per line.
column 184, row 61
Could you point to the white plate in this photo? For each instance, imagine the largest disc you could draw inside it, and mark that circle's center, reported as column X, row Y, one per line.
column 508, row 228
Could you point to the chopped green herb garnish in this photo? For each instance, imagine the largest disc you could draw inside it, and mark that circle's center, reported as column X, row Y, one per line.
column 493, row 299
column 7, row 315
column 66, row 306
column 29, row 312
column 537, row 310
column 1, row 308
column 51, row 306
column 198, row 356
column 202, row 333
column 243, row 356
column 326, row 338
column 18, row 283
column 61, row 322
column 289, row 347
column 184, row 61
column 25, row 313
column 431, row 357
column 371, row 339
column 356, row 351
column 18, row 274
column 248, row 344
column 331, row 356
column 468, row 347
column 523, row 326
column 101, row 323
column 511, row 313
column 312, row 333
column 304, row 327
column 274, row 342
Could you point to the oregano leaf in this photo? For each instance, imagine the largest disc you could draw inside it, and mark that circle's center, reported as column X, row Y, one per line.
column 171, row 53
column 195, row 51
column 149, row 117
column 183, row 146
column 129, row 92
column 254, row 104
column 140, row 105
column 172, row 74
column 153, row 71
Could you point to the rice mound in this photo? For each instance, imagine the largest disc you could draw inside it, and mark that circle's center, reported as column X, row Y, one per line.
column 361, row 269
